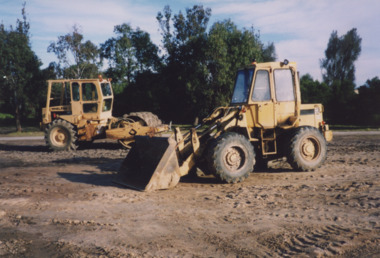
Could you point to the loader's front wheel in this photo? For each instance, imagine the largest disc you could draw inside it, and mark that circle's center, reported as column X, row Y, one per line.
column 60, row 135
column 307, row 149
column 232, row 158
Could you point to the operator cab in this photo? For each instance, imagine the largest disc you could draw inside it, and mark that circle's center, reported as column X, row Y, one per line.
column 269, row 90
column 70, row 98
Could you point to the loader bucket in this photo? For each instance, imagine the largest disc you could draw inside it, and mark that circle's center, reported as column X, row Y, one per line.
column 151, row 164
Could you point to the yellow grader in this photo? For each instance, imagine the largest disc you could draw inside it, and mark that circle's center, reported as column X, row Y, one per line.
column 80, row 110
column 264, row 121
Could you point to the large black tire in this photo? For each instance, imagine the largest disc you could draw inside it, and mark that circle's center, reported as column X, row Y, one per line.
column 148, row 118
column 307, row 149
column 144, row 118
column 232, row 158
column 60, row 135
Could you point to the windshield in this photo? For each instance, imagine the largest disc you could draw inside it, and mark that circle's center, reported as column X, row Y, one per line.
column 242, row 85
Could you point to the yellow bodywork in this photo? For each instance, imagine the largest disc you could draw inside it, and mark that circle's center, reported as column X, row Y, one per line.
column 87, row 105
column 265, row 112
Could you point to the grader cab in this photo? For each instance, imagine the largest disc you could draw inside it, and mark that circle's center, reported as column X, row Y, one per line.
column 80, row 110
column 264, row 121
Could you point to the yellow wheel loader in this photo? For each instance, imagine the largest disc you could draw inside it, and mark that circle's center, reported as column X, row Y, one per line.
column 80, row 110
column 264, row 121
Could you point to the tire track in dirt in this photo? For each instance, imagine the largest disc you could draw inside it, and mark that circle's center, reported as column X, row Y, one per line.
column 324, row 241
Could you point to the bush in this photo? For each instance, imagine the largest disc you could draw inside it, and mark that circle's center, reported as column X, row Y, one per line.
column 6, row 116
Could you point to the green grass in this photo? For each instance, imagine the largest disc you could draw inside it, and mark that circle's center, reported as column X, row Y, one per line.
column 11, row 131
column 8, row 127
column 19, row 134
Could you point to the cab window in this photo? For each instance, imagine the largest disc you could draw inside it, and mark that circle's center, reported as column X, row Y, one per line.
column 261, row 91
column 89, row 92
column 75, row 91
column 106, row 89
column 283, row 82
column 107, row 105
column 242, row 85
column 90, row 108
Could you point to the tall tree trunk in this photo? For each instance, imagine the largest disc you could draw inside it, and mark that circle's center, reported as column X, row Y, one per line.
column 18, row 120
column 17, row 113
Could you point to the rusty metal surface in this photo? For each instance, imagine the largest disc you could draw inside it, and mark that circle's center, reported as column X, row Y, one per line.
column 151, row 164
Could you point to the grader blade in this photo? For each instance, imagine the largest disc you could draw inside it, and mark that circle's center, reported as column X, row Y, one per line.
column 151, row 164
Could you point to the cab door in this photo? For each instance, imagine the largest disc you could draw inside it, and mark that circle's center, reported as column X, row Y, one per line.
column 90, row 100
column 284, row 86
column 76, row 105
column 261, row 102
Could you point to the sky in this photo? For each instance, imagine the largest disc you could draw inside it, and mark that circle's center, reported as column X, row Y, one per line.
column 299, row 29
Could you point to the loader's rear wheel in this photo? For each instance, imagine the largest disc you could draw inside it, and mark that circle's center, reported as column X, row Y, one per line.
column 60, row 135
column 232, row 158
column 148, row 118
column 307, row 149
column 144, row 118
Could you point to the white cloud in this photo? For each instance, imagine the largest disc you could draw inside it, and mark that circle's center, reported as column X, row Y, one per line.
column 301, row 29
column 96, row 18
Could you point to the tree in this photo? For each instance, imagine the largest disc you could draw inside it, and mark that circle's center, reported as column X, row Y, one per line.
column 185, row 72
column 339, row 73
column 133, row 61
column 77, row 59
column 313, row 91
column 368, row 104
column 341, row 54
column 19, row 70
column 200, row 64
column 229, row 49
column 129, row 53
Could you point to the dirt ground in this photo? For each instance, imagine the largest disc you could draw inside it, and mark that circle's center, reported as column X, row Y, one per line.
column 66, row 205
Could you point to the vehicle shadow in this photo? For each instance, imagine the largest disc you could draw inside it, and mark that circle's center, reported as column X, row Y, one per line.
column 103, row 164
column 28, row 148
column 44, row 148
column 211, row 179
column 90, row 178
column 105, row 173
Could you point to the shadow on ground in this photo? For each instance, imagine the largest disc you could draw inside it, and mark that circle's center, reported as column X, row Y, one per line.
column 90, row 178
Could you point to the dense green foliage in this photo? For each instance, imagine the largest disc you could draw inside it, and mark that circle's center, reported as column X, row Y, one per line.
column 198, row 68
column 339, row 74
column 191, row 74
column 368, row 103
column 21, row 77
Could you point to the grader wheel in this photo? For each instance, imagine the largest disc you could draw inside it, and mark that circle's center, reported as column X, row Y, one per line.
column 60, row 135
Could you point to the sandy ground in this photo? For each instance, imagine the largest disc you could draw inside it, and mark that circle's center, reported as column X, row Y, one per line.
column 66, row 205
